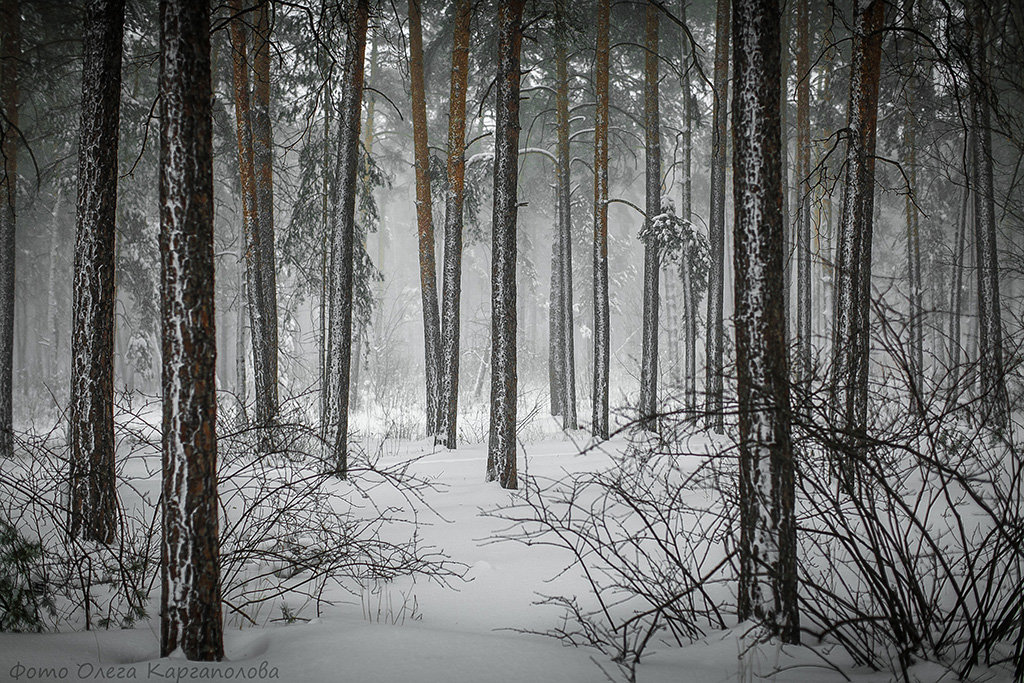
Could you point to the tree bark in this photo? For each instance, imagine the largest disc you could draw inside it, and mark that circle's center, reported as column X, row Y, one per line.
column 93, row 490
column 190, row 575
column 601, row 310
column 501, row 444
column 10, row 57
column 452, row 287
column 564, row 185
column 343, row 206
column 916, row 310
column 424, row 220
column 652, row 258
column 851, row 319
column 716, row 226
column 994, row 404
column 768, row 580
column 686, row 213
column 263, row 161
column 803, row 206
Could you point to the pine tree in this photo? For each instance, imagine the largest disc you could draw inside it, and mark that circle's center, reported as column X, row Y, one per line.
column 190, row 616
column 454, row 197
column 601, row 311
column 342, row 240
column 501, row 444
column 424, row 220
column 850, row 339
column 767, row 581
column 652, row 257
column 10, row 56
column 803, row 205
column 93, row 492
column 716, row 229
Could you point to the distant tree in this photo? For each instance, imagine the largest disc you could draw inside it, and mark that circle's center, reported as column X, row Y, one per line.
column 768, row 575
column 601, row 310
column 990, row 330
column 652, row 256
column 453, row 220
column 10, row 57
column 342, row 241
column 714, row 339
column 850, row 340
column 564, row 189
column 425, row 220
column 93, row 493
column 501, row 444
column 190, row 616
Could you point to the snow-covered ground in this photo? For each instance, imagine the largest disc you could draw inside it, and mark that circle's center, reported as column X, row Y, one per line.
column 473, row 630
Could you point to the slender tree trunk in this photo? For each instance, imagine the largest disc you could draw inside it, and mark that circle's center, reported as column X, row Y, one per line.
column 916, row 310
column 652, row 258
column 343, row 239
column 716, row 228
column 263, row 161
column 10, row 57
column 51, row 322
column 956, row 296
column 452, row 288
column 990, row 331
column 564, row 185
column 601, row 312
column 190, row 616
column 501, row 444
column 241, row 344
column 260, row 323
column 768, row 579
column 93, row 487
column 850, row 338
column 686, row 213
column 556, row 344
column 803, row 206
column 424, row 219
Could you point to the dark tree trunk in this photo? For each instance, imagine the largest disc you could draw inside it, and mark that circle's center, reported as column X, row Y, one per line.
column 343, row 207
column 601, row 312
column 916, row 310
column 501, row 444
column 956, row 295
column 10, row 56
column 686, row 213
column 652, row 258
column 260, row 322
column 716, row 226
column 424, row 219
column 190, row 616
column 850, row 337
column 767, row 581
column 564, row 185
column 263, row 162
column 556, row 358
column 93, row 489
column 803, row 205
column 452, row 287
column 990, row 331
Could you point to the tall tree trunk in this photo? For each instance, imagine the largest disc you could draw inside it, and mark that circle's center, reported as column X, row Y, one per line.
column 424, row 219
column 501, row 444
column 51, row 322
column 241, row 343
column 260, row 323
column 10, row 57
column 716, row 228
column 93, row 488
column 556, row 344
column 916, row 310
column 803, row 206
column 768, row 580
column 343, row 239
column 652, row 258
column 190, row 616
column 686, row 213
column 851, row 320
column 601, row 312
column 565, row 218
column 452, row 288
column 263, row 161
column 994, row 405
column 956, row 295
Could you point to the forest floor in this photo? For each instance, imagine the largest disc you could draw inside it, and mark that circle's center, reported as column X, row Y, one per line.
column 482, row 628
